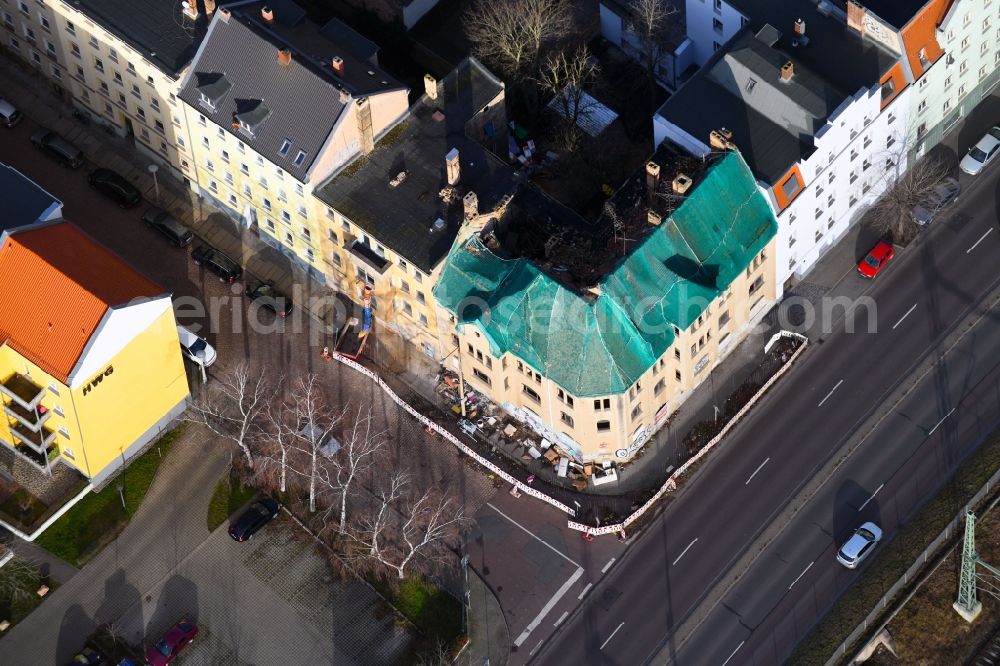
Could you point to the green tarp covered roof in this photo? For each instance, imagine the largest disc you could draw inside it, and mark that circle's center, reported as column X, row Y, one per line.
column 600, row 346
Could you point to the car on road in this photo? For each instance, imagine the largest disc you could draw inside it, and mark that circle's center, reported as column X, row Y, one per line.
column 217, row 262
column 876, row 260
column 196, row 347
column 176, row 639
column 114, row 185
column 87, row 657
column 169, row 226
column 58, row 147
column 937, row 198
column 860, row 545
column 259, row 513
column 981, row 154
column 265, row 295
column 9, row 116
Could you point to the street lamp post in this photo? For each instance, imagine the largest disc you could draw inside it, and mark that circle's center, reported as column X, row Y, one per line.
column 152, row 168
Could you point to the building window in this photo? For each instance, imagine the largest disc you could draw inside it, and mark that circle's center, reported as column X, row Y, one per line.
column 530, row 392
column 285, row 146
column 757, row 284
column 603, row 426
column 566, row 418
column 724, row 319
column 565, row 397
column 660, row 385
column 299, row 158
column 420, row 297
column 717, row 25
column 602, row 404
column 636, row 412
column 482, row 376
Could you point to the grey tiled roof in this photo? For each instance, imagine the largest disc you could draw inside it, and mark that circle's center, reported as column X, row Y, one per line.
column 24, row 200
column 403, row 217
column 158, row 29
column 352, row 41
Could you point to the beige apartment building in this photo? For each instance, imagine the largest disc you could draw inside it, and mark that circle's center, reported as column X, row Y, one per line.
column 273, row 107
column 594, row 349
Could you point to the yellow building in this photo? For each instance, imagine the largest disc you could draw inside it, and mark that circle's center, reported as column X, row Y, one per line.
column 90, row 366
column 273, row 107
column 594, row 334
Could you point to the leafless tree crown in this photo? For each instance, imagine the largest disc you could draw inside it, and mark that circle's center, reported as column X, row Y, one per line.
column 513, row 35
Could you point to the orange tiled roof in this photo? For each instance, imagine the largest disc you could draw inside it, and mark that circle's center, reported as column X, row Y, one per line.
column 57, row 283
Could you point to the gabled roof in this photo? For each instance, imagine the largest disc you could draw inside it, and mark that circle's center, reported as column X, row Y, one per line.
column 25, row 202
column 298, row 99
column 60, row 283
column 402, row 215
column 601, row 346
column 157, row 29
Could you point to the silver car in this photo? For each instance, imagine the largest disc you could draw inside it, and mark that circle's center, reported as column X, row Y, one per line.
column 196, row 347
column 860, row 545
column 931, row 204
column 981, row 154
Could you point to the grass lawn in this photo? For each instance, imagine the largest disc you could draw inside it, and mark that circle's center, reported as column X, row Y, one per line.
column 230, row 494
column 16, row 607
column 437, row 614
column 98, row 518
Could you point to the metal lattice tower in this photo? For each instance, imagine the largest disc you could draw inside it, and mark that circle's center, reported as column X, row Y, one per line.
column 967, row 605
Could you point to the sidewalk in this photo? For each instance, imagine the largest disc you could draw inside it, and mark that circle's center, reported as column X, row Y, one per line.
column 489, row 637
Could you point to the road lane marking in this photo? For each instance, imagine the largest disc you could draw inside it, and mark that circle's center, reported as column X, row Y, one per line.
column 904, row 316
column 608, row 565
column 830, row 393
column 561, row 618
column 755, row 472
column 535, row 649
column 733, row 653
column 981, row 239
column 533, row 535
column 684, row 551
column 549, row 606
column 871, row 498
column 585, row 590
column 801, row 574
column 612, row 634
column 941, row 421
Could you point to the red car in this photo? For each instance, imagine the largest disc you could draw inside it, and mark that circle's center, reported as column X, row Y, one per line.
column 176, row 639
column 876, row 259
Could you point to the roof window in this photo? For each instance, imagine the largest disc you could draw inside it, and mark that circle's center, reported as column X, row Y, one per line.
column 300, row 158
column 285, row 147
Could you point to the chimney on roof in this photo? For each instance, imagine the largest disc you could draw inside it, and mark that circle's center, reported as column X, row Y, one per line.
column 345, row 96
column 190, row 9
column 800, row 28
column 209, row 7
column 681, row 184
column 266, row 14
column 855, row 16
column 471, row 204
column 453, row 167
column 225, row 14
column 338, row 65
column 285, row 56
column 721, row 139
column 431, row 86
column 787, row 70
column 653, row 218
column 652, row 177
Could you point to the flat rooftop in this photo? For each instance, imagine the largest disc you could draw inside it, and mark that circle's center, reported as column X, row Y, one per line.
column 402, row 211
column 158, row 29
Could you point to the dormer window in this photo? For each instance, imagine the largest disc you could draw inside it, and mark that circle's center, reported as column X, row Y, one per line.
column 211, row 87
column 249, row 115
column 286, row 145
column 299, row 158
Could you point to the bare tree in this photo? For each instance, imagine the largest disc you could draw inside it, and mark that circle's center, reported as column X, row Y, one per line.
column 564, row 77
column 233, row 407
column 893, row 212
column 354, row 458
column 404, row 528
column 652, row 23
column 19, row 577
column 276, row 443
column 514, row 34
column 315, row 422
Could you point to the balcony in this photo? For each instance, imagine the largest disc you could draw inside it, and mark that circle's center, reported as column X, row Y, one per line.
column 22, row 390
column 33, row 419
column 40, row 460
column 38, row 440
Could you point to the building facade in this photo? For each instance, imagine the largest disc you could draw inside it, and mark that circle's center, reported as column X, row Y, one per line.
column 272, row 108
column 93, row 372
column 599, row 369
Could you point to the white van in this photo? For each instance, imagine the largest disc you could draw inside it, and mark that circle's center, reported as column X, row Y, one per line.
column 9, row 116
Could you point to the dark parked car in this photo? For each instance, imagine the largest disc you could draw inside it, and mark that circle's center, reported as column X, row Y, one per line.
column 58, row 147
column 258, row 514
column 264, row 294
column 106, row 181
column 171, row 228
column 176, row 639
column 217, row 262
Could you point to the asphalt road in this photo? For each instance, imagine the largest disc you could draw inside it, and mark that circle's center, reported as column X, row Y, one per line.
column 782, row 444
